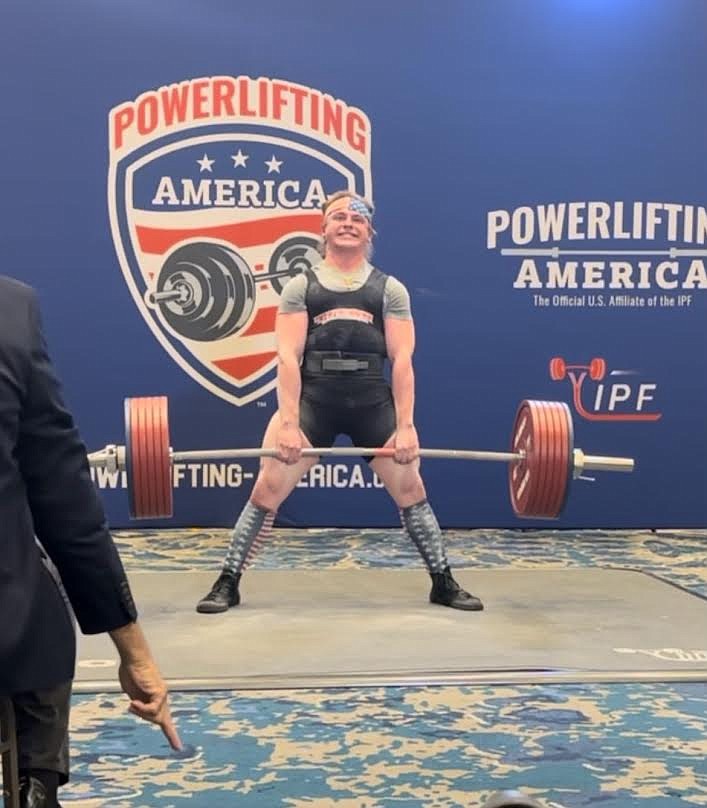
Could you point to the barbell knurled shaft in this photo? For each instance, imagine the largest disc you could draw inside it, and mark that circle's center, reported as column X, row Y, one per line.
column 346, row 451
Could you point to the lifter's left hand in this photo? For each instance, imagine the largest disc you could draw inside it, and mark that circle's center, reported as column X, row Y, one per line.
column 407, row 445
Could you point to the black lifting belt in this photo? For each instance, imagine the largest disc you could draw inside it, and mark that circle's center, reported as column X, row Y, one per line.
column 337, row 361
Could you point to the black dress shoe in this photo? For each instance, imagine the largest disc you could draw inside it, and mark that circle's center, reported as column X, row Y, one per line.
column 224, row 594
column 34, row 795
column 447, row 592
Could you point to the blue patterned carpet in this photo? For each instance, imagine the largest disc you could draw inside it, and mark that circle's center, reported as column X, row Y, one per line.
column 616, row 746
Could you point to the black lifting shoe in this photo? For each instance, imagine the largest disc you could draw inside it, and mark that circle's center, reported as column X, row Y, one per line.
column 447, row 592
column 224, row 594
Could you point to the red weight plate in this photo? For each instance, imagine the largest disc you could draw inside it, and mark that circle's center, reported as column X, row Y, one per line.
column 164, row 490
column 142, row 461
column 556, row 461
column 597, row 369
column 157, row 444
column 558, row 368
column 565, row 416
column 562, row 463
column 517, row 468
column 543, row 440
column 549, row 439
column 520, row 472
column 127, row 414
column 147, row 435
column 133, row 462
column 538, row 443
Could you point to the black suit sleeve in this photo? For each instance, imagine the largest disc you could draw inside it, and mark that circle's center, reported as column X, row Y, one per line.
column 68, row 515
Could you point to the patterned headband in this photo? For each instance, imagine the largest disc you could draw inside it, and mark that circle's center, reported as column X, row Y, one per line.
column 350, row 203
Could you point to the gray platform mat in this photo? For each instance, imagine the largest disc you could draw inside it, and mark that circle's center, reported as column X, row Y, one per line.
column 324, row 628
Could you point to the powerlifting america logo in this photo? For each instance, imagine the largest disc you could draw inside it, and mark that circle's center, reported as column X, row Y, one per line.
column 214, row 188
column 597, row 254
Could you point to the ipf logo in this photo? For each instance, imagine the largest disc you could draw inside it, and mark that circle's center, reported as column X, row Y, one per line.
column 214, row 190
column 618, row 401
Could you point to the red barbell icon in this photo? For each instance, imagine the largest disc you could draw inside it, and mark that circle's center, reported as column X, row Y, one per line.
column 596, row 368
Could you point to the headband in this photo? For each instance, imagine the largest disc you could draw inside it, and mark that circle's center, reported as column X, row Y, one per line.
column 350, row 203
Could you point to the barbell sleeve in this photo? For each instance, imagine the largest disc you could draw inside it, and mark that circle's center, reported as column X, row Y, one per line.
column 584, row 462
column 598, row 463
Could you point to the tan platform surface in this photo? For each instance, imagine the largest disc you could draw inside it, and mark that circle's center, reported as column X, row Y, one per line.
column 311, row 628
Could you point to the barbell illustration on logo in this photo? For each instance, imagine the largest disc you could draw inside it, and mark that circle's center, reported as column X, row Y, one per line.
column 559, row 368
column 206, row 291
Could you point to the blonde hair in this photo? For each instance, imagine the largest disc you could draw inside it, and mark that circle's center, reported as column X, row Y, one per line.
column 329, row 201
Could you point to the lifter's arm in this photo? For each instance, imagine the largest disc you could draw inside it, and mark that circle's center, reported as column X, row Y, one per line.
column 290, row 333
column 400, row 344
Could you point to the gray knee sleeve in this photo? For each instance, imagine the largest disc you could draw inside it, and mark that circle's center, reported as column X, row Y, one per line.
column 253, row 526
column 421, row 525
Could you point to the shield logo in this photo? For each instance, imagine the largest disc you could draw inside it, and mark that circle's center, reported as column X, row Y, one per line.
column 210, row 219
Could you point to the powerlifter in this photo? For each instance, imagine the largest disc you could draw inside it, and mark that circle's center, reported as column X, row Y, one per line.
column 337, row 324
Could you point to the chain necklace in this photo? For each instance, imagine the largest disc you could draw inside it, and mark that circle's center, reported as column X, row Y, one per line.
column 349, row 279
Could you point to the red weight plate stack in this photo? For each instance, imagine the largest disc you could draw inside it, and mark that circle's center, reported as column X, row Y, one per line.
column 147, row 457
column 539, row 483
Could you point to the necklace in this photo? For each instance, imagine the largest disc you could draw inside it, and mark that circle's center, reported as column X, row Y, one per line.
column 349, row 279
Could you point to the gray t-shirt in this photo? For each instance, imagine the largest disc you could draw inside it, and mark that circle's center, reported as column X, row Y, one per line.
column 396, row 299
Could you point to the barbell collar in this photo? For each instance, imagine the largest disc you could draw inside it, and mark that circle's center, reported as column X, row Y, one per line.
column 111, row 457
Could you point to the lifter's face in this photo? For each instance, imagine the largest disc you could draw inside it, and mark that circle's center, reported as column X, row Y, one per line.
column 346, row 229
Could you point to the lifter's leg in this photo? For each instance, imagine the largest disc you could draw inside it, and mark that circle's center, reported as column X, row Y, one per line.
column 404, row 484
column 274, row 483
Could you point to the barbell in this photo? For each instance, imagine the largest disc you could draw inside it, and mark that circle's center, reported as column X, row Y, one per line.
column 542, row 462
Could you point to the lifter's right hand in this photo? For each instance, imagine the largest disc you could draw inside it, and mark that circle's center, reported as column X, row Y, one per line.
column 289, row 443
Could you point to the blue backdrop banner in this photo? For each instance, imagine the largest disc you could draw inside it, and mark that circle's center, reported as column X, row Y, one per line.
column 539, row 174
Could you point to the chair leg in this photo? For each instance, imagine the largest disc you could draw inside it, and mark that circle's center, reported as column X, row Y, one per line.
column 8, row 744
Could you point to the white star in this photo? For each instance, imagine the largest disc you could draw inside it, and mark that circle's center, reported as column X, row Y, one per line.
column 273, row 165
column 239, row 159
column 205, row 164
